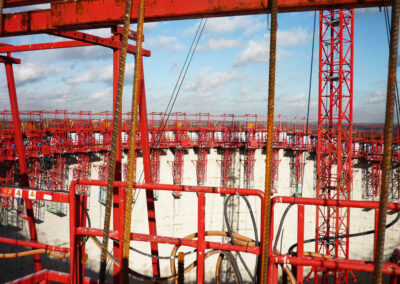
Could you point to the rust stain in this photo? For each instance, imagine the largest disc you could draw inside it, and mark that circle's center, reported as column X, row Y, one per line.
column 79, row 8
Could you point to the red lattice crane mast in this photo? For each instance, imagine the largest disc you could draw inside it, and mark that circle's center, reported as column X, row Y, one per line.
column 334, row 150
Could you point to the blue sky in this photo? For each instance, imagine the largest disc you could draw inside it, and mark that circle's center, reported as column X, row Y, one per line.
column 228, row 74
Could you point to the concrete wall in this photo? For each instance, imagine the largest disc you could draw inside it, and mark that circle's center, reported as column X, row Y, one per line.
column 178, row 217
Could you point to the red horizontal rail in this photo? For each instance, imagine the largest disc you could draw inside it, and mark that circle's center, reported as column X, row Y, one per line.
column 340, row 264
column 49, row 275
column 332, row 202
column 33, row 245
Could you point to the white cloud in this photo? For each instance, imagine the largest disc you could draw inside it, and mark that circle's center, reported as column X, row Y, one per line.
column 298, row 100
column 103, row 94
column 220, row 43
column 104, row 74
column 174, row 68
column 105, row 32
column 150, row 26
column 29, row 72
column 258, row 50
column 210, row 82
column 164, row 43
column 255, row 51
column 229, row 24
column 377, row 97
column 293, row 37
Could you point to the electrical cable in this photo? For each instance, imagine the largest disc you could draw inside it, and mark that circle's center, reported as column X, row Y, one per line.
column 175, row 92
column 327, row 239
column 85, row 210
column 278, row 233
column 177, row 87
column 311, row 73
column 161, row 257
column 230, row 231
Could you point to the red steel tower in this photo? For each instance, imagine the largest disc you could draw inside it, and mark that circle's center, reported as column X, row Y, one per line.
column 334, row 150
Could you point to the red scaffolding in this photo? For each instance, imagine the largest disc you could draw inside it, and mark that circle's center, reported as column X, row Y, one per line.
column 335, row 121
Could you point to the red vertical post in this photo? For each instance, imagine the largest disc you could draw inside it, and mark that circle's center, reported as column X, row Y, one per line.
column 82, row 223
column 300, row 241
column 201, row 245
column 151, row 212
column 24, row 180
column 376, row 229
column 272, row 268
column 72, row 238
column 118, row 192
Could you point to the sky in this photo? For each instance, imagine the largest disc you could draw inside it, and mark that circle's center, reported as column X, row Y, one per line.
column 228, row 73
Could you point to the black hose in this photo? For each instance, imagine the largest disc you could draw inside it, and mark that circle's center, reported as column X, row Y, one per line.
column 85, row 210
column 327, row 239
column 278, row 233
column 230, row 231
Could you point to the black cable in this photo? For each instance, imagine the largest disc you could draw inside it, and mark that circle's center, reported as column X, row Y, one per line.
column 278, row 233
column 179, row 82
column 327, row 239
column 161, row 257
column 253, row 220
column 162, row 123
column 311, row 73
column 230, row 232
column 87, row 216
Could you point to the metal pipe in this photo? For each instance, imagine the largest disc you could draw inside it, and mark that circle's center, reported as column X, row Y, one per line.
column 201, row 237
column 189, row 188
column 148, row 178
column 115, row 138
column 300, row 241
column 388, row 139
column 268, row 162
column 33, row 245
column 332, row 202
column 132, row 145
column 335, row 263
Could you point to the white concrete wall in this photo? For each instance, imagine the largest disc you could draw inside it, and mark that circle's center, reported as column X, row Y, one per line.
column 178, row 217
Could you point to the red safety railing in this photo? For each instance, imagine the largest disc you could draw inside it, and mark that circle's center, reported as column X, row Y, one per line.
column 299, row 260
column 78, row 226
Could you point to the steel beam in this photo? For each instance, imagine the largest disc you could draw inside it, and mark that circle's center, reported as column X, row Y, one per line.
column 106, row 42
column 87, row 14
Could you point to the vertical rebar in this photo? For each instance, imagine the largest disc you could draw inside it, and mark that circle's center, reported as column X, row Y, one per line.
column 388, row 138
column 268, row 162
column 115, row 137
column 132, row 144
